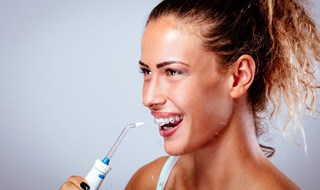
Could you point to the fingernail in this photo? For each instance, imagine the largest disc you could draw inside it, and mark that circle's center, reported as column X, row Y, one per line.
column 84, row 186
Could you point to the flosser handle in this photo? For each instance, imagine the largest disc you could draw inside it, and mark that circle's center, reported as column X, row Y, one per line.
column 97, row 174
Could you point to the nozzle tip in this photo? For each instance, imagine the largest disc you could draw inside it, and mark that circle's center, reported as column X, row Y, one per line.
column 134, row 125
column 139, row 124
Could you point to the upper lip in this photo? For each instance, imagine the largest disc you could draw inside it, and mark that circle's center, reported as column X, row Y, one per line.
column 164, row 114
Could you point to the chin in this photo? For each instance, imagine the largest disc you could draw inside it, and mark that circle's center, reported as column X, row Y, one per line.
column 174, row 150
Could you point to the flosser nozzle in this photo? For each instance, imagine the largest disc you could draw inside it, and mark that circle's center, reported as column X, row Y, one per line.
column 121, row 136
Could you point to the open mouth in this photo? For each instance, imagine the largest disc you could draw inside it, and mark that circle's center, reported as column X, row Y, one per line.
column 168, row 123
column 168, row 126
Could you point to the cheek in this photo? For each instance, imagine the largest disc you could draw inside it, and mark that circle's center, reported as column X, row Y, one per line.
column 211, row 104
column 181, row 95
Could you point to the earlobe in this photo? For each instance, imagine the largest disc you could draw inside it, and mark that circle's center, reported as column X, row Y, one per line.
column 243, row 72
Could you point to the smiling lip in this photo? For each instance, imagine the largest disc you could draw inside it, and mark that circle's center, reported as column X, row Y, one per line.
column 166, row 115
column 169, row 132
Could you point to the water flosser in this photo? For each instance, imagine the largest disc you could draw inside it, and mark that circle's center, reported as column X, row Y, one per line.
column 101, row 168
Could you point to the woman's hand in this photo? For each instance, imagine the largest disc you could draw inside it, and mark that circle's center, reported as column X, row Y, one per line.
column 75, row 183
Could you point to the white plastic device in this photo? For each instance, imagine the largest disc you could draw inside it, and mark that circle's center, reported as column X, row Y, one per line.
column 97, row 174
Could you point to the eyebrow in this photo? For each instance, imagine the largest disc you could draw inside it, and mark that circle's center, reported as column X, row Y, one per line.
column 163, row 64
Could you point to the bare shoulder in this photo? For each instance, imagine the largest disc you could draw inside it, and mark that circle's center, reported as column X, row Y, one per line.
column 272, row 178
column 147, row 176
column 281, row 183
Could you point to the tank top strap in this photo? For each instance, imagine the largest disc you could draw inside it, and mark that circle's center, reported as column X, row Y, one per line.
column 166, row 170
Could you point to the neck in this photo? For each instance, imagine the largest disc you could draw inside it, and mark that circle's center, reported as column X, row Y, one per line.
column 233, row 152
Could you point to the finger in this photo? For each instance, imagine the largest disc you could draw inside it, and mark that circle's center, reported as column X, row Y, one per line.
column 76, row 182
column 69, row 186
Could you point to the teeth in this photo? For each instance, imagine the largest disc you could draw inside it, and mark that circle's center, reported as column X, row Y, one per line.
column 166, row 128
column 164, row 121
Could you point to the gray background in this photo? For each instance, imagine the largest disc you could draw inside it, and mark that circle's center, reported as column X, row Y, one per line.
column 69, row 83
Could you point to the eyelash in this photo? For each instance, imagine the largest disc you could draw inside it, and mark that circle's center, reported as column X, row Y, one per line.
column 171, row 72
column 168, row 72
column 145, row 71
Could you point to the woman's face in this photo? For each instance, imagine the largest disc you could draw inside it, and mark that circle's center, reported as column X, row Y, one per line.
column 186, row 94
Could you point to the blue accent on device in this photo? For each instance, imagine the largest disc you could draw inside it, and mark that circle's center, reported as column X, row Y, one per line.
column 101, row 176
column 106, row 160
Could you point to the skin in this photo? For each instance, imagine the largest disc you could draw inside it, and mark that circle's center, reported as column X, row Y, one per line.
column 216, row 137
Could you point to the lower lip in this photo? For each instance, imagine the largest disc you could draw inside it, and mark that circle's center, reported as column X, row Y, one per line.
column 168, row 133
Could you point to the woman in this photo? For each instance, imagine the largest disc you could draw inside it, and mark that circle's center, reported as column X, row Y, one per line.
column 215, row 73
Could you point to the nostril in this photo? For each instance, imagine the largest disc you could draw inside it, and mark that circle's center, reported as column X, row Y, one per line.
column 154, row 102
column 147, row 101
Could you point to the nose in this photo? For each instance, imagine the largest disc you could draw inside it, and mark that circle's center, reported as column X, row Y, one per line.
column 153, row 95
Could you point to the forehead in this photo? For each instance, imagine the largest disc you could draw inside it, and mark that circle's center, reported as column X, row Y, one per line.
column 162, row 42
column 184, row 26
column 166, row 37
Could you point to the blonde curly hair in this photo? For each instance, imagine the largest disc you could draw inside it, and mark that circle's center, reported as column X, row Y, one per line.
column 295, row 53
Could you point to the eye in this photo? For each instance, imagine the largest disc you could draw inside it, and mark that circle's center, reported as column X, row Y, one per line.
column 145, row 71
column 171, row 72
